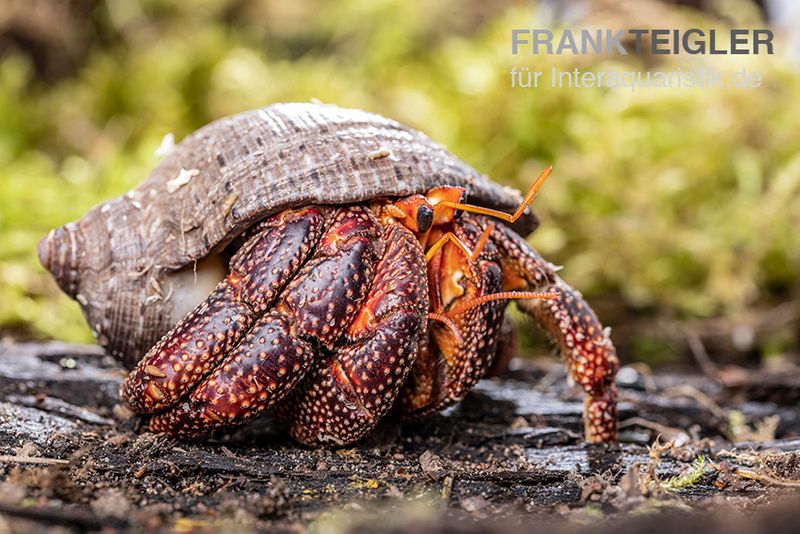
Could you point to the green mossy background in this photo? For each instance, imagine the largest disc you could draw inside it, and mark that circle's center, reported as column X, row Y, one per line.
column 665, row 205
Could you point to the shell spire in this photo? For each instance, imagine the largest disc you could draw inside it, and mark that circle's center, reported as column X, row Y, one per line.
column 59, row 253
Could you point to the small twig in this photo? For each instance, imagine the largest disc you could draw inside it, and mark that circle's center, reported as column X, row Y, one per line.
column 763, row 477
column 716, row 330
column 698, row 350
column 229, row 453
column 671, row 433
column 701, row 398
column 53, row 516
column 32, row 460
column 447, row 488
column 554, row 375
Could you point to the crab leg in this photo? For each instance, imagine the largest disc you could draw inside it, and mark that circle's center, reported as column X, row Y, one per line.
column 311, row 314
column 196, row 345
column 590, row 356
column 353, row 388
column 449, row 364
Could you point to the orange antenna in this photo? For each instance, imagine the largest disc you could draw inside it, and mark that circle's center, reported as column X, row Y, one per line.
column 503, row 295
column 448, row 323
column 481, row 242
column 499, row 214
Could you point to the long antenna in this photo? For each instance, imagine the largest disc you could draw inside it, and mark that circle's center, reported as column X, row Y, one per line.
column 499, row 214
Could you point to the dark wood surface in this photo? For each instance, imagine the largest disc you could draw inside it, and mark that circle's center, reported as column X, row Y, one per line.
column 509, row 455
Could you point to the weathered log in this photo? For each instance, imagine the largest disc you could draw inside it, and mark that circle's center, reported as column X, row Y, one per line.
column 512, row 448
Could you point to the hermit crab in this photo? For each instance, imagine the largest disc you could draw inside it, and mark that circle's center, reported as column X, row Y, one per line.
column 368, row 271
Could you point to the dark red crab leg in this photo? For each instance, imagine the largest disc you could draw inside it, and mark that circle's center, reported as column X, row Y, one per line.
column 569, row 320
column 353, row 388
column 313, row 311
column 194, row 347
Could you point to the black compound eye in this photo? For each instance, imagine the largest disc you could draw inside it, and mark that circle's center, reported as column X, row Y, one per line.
column 461, row 200
column 424, row 218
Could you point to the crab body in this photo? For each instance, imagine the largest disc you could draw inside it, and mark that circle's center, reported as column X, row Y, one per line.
column 337, row 306
column 324, row 317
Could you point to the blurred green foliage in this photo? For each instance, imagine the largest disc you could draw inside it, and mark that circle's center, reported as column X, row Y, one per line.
column 672, row 203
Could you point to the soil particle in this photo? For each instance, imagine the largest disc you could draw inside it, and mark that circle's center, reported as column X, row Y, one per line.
column 432, row 465
column 111, row 504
